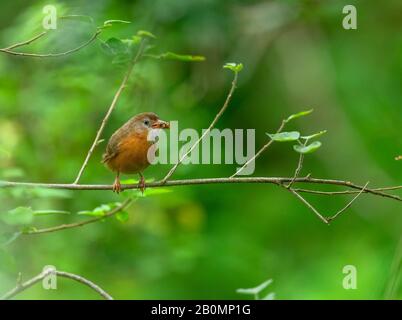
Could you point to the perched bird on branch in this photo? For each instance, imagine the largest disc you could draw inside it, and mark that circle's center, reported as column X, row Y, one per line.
column 127, row 149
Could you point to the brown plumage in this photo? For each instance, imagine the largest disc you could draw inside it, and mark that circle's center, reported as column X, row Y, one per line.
column 127, row 149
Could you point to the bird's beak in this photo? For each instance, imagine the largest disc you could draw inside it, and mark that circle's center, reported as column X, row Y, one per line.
column 160, row 124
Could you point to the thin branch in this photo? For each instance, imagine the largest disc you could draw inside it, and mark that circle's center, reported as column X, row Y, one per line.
column 86, row 282
column 112, row 212
column 203, row 181
column 49, row 271
column 308, row 205
column 297, row 171
column 23, row 286
column 217, row 117
column 326, row 220
column 329, row 219
column 343, row 192
column 265, row 147
column 27, row 42
column 280, row 181
column 48, row 55
column 110, row 110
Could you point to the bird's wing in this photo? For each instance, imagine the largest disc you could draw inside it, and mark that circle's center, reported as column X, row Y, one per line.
column 110, row 153
column 112, row 148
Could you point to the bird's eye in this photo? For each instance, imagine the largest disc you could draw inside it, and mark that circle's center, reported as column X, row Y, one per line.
column 146, row 122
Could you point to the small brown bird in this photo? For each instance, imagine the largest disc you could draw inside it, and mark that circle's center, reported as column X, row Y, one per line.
column 127, row 149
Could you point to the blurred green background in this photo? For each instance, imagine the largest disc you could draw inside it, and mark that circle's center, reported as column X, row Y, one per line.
column 206, row 241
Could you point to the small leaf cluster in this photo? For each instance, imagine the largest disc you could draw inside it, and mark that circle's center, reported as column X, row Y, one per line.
column 124, row 50
column 235, row 67
column 303, row 145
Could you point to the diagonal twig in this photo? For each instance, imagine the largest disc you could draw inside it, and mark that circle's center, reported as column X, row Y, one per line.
column 326, row 220
column 217, row 117
column 265, row 147
column 329, row 219
column 110, row 110
column 27, row 42
column 297, row 171
column 308, row 205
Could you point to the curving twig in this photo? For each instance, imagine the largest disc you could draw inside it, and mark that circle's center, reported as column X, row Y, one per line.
column 49, row 271
column 24, row 43
column 47, row 55
column 112, row 212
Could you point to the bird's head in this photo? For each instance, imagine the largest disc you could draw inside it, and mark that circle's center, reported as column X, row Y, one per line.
column 149, row 120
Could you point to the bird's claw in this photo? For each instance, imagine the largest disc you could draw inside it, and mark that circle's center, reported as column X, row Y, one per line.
column 117, row 187
column 141, row 185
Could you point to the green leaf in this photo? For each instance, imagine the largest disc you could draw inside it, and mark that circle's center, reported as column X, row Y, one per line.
column 18, row 216
column 85, row 213
column 99, row 211
column 180, row 57
column 235, row 67
column 285, row 136
column 49, row 212
column 298, row 115
column 104, row 207
column 114, row 46
column 94, row 213
column 109, row 23
column 315, row 135
column 128, row 42
column 122, row 216
column 307, row 149
column 145, row 34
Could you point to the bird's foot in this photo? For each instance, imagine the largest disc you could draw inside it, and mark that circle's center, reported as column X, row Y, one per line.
column 117, row 186
column 141, row 184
